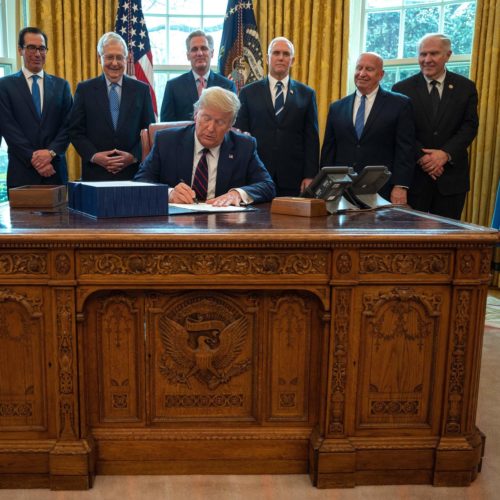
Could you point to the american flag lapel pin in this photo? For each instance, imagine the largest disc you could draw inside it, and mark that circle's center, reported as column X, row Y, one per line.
column 450, row 86
column 231, row 156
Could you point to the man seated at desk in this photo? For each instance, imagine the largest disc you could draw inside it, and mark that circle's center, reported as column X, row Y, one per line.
column 208, row 160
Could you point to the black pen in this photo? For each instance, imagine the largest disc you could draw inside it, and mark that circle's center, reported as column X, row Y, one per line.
column 195, row 200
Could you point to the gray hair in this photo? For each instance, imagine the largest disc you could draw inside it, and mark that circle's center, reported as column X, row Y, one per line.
column 280, row 39
column 220, row 99
column 445, row 41
column 191, row 35
column 111, row 37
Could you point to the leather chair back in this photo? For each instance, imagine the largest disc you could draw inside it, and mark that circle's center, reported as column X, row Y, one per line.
column 148, row 134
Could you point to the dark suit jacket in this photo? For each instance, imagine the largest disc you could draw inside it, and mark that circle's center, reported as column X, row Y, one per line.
column 91, row 127
column 181, row 93
column 289, row 147
column 452, row 131
column 24, row 132
column 388, row 138
column 171, row 159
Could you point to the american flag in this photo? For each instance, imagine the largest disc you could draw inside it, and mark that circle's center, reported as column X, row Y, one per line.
column 131, row 26
column 240, row 54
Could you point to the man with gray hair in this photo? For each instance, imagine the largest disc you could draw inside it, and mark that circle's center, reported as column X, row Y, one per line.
column 207, row 160
column 281, row 113
column 182, row 92
column 445, row 109
column 108, row 115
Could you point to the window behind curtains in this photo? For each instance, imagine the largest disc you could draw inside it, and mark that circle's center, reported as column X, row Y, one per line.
column 169, row 22
column 392, row 28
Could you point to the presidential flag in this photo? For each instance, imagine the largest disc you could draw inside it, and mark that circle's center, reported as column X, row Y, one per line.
column 240, row 55
column 131, row 26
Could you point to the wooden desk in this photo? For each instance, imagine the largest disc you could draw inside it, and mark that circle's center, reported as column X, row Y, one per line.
column 345, row 346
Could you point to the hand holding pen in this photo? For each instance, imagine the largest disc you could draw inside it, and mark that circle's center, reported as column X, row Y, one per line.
column 182, row 193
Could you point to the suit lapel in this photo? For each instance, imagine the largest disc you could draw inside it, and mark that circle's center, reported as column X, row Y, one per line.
column 446, row 96
column 290, row 99
column 48, row 95
column 193, row 88
column 376, row 108
column 185, row 150
column 266, row 92
column 25, row 92
column 127, row 100
column 348, row 111
column 423, row 96
column 102, row 99
column 224, row 166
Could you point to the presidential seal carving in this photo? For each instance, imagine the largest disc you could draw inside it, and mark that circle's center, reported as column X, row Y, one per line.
column 202, row 340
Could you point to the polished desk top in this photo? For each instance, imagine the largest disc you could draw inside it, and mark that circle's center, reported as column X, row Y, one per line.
column 395, row 223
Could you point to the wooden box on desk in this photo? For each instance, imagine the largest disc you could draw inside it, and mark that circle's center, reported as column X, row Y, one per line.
column 37, row 196
column 294, row 205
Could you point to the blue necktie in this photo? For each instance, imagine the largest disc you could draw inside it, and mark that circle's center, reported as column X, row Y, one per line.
column 35, row 94
column 359, row 123
column 279, row 102
column 200, row 181
column 114, row 104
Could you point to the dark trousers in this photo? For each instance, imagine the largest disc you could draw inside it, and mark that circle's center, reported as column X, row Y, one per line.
column 434, row 202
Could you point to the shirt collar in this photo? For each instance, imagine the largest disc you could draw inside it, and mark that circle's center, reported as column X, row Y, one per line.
column 28, row 74
column 109, row 82
column 196, row 75
column 273, row 81
column 198, row 147
column 373, row 93
column 439, row 79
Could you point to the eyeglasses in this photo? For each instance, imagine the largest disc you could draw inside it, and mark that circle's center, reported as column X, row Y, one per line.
column 31, row 49
column 110, row 58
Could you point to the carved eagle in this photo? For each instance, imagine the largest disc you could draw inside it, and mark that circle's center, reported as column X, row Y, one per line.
column 211, row 361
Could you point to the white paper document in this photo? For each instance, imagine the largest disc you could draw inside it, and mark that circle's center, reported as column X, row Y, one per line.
column 206, row 207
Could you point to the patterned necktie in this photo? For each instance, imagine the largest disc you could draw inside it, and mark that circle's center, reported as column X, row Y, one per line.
column 435, row 98
column 200, row 181
column 279, row 102
column 359, row 122
column 114, row 104
column 35, row 94
column 201, row 85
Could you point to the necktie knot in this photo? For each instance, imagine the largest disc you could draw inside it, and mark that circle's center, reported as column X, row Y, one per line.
column 35, row 94
column 434, row 83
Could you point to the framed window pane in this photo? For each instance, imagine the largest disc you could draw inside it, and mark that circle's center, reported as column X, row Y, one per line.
column 213, row 26
column 460, row 68
column 382, row 34
column 418, row 22
column 154, row 7
column 160, row 80
column 214, row 7
column 390, row 78
column 184, row 7
column 409, row 3
column 179, row 29
column 157, row 28
column 386, row 4
column 459, row 26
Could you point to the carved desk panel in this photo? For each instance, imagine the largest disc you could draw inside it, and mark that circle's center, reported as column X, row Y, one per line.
column 242, row 343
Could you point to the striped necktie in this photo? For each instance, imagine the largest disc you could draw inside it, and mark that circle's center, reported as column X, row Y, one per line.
column 114, row 104
column 35, row 95
column 200, row 181
column 279, row 101
column 359, row 122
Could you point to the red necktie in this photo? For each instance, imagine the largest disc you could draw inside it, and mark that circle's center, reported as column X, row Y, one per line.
column 201, row 85
column 200, row 181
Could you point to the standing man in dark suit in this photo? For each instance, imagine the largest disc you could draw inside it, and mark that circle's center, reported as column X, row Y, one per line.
column 108, row 115
column 282, row 115
column 372, row 127
column 182, row 92
column 34, row 108
column 207, row 160
column 445, row 107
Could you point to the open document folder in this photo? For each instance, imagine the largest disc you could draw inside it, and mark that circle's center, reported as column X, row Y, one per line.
column 184, row 208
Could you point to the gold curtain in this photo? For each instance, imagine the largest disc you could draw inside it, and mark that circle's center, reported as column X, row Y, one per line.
column 319, row 31
column 485, row 152
column 73, row 29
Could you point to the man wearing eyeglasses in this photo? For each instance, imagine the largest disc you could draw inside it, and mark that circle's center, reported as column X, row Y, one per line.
column 34, row 107
column 108, row 115
column 182, row 92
